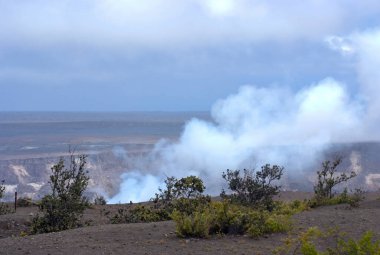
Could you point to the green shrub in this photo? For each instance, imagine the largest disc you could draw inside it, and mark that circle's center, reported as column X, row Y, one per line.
column 365, row 245
column 253, row 188
column 353, row 199
column 194, row 225
column 327, row 179
column 226, row 218
column 333, row 242
column 63, row 208
column 138, row 213
column 189, row 205
column 188, row 187
column 183, row 195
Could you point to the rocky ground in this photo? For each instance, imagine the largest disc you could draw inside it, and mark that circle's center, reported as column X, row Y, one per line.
column 160, row 238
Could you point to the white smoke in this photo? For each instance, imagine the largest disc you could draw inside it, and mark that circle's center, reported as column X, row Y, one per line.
column 274, row 125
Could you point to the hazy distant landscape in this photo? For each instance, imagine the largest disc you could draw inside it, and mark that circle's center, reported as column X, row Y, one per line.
column 189, row 127
column 118, row 143
column 32, row 142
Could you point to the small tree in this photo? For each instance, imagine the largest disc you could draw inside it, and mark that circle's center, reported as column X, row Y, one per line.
column 327, row 178
column 188, row 187
column 2, row 189
column 253, row 188
column 3, row 208
column 184, row 194
column 64, row 207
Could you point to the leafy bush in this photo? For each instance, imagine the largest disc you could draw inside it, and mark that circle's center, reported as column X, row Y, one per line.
column 188, row 187
column 327, row 178
column 195, row 225
column 64, row 207
column 184, row 194
column 333, row 241
column 226, row 218
column 253, row 189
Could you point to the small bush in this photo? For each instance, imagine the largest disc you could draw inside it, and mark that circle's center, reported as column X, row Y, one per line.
column 4, row 209
column 64, row 207
column 305, row 244
column 184, row 194
column 194, row 225
column 24, row 202
column 226, row 218
column 137, row 214
column 327, row 179
column 253, row 189
column 100, row 200
column 353, row 199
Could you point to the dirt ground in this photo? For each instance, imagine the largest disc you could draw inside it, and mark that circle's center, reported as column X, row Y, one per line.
column 159, row 238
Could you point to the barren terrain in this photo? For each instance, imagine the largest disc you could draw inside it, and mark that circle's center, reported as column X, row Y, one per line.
column 159, row 238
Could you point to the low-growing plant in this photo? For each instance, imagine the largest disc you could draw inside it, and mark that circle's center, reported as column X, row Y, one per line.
column 353, row 199
column 137, row 214
column 197, row 224
column 226, row 218
column 331, row 242
column 63, row 208
column 253, row 188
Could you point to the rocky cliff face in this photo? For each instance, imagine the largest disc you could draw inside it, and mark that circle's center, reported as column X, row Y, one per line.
column 30, row 177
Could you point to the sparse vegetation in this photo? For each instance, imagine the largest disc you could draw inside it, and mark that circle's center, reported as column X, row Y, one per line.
column 328, row 178
column 254, row 189
column 100, row 200
column 63, row 208
column 226, row 218
column 137, row 214
column 183, row 195
column 335, row 243
column 250, row 210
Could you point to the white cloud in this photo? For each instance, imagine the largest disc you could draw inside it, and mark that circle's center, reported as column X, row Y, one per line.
column 167, row 23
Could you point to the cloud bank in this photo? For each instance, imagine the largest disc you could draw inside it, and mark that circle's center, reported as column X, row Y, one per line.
column 168, row 23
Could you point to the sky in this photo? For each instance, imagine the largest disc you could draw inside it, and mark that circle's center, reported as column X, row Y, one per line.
column 170, row 55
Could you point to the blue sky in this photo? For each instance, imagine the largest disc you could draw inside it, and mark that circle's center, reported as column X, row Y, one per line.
column 168, row 55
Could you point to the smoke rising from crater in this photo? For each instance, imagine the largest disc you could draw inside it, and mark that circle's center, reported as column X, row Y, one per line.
column 276, row 125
